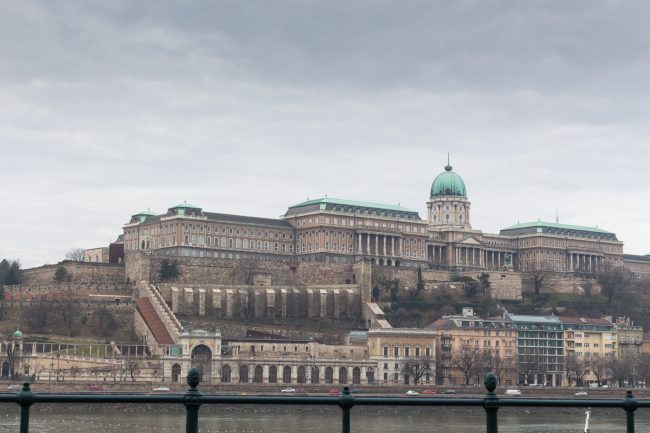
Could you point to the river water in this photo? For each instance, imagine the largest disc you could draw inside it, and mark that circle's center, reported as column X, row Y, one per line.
column 273, row 419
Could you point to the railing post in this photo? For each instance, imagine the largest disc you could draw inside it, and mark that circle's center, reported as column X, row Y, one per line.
column 25, row 400
column 192, row 401
column 346, row 401
column 491, row 404
column 630, row 405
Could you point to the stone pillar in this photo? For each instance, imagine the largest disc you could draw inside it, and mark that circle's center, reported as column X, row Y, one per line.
column 337, row 303
column 265, row 374
column 294, row 374
column 310, row 304
column 392, row 246
column 283, row 302
column 368, row 243
column 188, row 299
column 399, row 253
column 384, row 252
column 499, row 259
column 216, row 301
column 359, row 249
column 323, row 303
column 351, row 304
column 201, row 302
column 229, row 294
column 175, row 300
column 270, row 303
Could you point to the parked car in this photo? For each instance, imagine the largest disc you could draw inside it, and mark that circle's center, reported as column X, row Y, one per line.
column 428, row 391
column 334, row 391
column 581, row 393
column 289, row 390
column 513, row 392
column 14, row 386
column 449, row 391
column 161, row 389
column 411, row 392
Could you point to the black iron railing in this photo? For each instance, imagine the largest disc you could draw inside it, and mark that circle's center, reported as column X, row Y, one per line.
column 193, row 399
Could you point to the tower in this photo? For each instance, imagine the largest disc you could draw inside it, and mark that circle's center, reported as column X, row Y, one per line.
column 448, row 207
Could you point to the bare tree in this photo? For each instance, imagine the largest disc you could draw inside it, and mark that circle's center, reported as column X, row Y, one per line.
column 9, row 346
column 575, row 369
column 386, row 281
column 598, row 367
column 643, row 367
column 467, row 359
column 623, row 368
column 75, row 254
column 417, row 368
column 614, row 280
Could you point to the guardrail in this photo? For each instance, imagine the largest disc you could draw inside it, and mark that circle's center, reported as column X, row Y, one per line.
column 193, row 399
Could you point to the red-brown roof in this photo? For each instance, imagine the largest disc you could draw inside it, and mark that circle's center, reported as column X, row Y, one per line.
column 153, row 322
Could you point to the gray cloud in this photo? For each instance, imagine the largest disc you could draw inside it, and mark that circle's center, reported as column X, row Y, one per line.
column 111, row 108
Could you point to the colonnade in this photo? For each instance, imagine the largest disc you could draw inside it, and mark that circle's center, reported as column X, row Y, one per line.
column 584, row 262
column 379, row 245
column 479, row 258
column 239, row 372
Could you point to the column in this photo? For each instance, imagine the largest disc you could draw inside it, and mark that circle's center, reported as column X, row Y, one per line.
column 499, row 259
column 392, row 246
column 359, row 246
column 399, row 253
column 368, row 243
column 383, row 253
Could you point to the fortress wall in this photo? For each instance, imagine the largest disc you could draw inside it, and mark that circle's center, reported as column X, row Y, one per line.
column 69, row 317
column 204, row 270
column 77, row 272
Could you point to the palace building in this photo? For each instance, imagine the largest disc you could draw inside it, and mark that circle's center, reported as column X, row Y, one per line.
column 347, row 231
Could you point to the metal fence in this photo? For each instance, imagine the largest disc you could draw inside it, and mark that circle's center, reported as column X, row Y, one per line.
column 193, row 399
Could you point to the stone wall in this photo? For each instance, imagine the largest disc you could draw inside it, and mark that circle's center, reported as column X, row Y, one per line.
column 50, row 291
column 559, row 282
column 77, row 272
column 267, row 302
column 203, row 270
column 68, row 317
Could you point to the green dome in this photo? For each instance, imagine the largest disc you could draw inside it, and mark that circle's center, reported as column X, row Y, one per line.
column 448, row 183
column 18, row 334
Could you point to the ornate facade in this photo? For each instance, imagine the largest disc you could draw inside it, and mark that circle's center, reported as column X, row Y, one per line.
column 345, row 231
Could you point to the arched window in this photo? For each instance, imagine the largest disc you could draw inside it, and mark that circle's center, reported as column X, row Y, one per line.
column 343, row 375
column 370, row 375
column 243, row 374
column 225, row 374
column 259, row 374
column 329, row 375
column 176, row 372
column 286, row 374
column 273, row 374
column 302, row 376
column 315, row 373
column 356, row 376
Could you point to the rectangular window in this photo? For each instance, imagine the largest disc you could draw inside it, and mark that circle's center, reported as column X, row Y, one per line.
column 385, row 351
column 396, row 351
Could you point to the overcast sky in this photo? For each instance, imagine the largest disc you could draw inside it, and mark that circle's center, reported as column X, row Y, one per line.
column 108, row 108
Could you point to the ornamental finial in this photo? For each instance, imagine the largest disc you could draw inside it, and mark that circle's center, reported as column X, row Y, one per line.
column 448, row 167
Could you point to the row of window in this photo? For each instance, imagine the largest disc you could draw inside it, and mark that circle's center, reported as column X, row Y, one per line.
column 406, row 350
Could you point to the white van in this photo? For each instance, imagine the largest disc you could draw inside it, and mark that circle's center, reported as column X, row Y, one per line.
column 513, row 392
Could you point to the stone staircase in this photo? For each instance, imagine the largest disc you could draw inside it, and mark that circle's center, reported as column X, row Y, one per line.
column 158, row 317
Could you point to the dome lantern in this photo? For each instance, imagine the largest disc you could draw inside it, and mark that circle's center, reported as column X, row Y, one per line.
column 448, row 183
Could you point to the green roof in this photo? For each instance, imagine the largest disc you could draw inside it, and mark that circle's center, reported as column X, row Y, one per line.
column 448, row 183
column 185, row 206
column 557, row 226
column 147, row 213
column 353, row 203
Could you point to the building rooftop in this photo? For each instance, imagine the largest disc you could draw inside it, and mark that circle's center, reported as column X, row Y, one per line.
column 353, row 204
column 533, row 319
column 557, row 226
column 585, row 321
